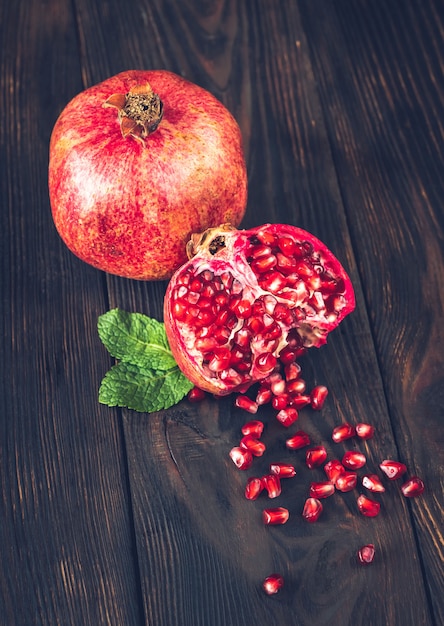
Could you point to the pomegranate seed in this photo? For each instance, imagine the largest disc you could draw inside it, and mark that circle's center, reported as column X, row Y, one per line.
column 263, row 264
column 299, row 401
column 241, row 457
column 246, row 403
column 333, row 470
column 256, row 447
column 296, row 386
column 287, row 355
column 413, row 487
column 280, row 402
column 196, row 395
column 283, row 470
column 278, row 387
column 393, row 469
column 366, row 554
column 272, row 584
column 365, row 431
column 272, row 484
column 299, row 440
column 272, row 517
column 287, row 417
column 346, row 481
column 292, row 371
column 367, row 506
column 372, row 482
column 266, row 362
column 253, row 488
column 254, row 428
column 317, row 396
column 322, row 489
column 264, row 395
column 314, row 457
column 312, row 510
column 266, row 237
column 343, row 432
column 353, row 460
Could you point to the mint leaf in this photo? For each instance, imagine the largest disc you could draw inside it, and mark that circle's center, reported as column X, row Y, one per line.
column 136, row 338
column 146, row 390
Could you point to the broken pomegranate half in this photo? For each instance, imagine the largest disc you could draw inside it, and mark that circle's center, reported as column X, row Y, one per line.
column 249, row 301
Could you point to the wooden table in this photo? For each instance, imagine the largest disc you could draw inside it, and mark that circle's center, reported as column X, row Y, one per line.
column 114, row 517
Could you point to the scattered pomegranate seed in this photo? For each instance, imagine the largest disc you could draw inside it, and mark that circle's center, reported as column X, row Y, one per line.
column 353, row 460
column 279, row 515
column 253, row 488
column 272, row 584
column 333, row 470
column 272, row 484
column 312, row 509
column 292, row 371
column 393, row 469
column 241, row 457
column 296, row 386
column 413, row 487
column 196, row 395
column 287, row 416
column 322, row 489
column 283, row 470
column 367, row 506
column 366, row 554
column 299, row 440
column 346, row 481
column 372, row 482
column 254, row 428
column 318, row 396
column 264, row 395
column 364, row 431
column 343, row 432
column 299, row 401
column 314, row 457
column 256, row 447
column 280, row 402
column 246, row 403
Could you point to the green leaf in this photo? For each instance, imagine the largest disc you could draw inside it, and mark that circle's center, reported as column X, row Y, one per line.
column 146, row 390
column 137, row 339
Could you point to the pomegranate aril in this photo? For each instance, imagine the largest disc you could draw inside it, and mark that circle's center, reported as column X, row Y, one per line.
column 297, row 386
column 287, row 416
column 196, row 395
column 299, row 440
column 364, row 431
column 322, row 489
column 343, row 432
column 272, row 584
column 393, row 469
column 246, row 403
column 367, row 506
column 272, row 484
column 265, row 362
column 253, row 488
column 254, row 428
column 346, row 481
column 260, row 250
column 264, row 395
column 278, row 386
column 318, row 396
column 333, row 470
column 312, row 509
column 272, row 281
column 275, row 516
column 299, row 401
column 372, row 482
column 314, row 457
column 241, row 457
column 219, row 360
column 413, row 487
column 280, row 402
column 283, row 470
column 366, row 554
column 266, row 237
column 292, row 371
column 256, row 447
column 354, row 460
column 287, row 355
column 263, row 264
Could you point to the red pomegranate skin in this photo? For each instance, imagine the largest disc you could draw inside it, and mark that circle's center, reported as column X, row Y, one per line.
column 128, row 207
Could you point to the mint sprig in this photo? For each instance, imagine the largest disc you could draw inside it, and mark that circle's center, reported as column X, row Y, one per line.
column 146, row 377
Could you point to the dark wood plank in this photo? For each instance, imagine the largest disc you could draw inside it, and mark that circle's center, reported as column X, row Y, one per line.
column 202, row 548
column 65, row 532
column 380, row 75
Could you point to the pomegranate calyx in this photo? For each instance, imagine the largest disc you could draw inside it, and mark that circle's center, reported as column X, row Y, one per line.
column 140, row 111
column 211, row 240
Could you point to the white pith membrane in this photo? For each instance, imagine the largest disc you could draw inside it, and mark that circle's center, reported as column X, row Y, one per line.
column 229, row 270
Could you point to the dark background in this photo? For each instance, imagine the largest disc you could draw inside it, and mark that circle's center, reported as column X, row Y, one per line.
column 119, row 518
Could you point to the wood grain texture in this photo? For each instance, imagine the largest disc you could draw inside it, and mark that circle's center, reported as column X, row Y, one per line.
column 120, row 518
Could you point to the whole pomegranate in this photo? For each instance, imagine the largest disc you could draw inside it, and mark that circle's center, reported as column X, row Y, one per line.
column 251, row 301
column 138, row 163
